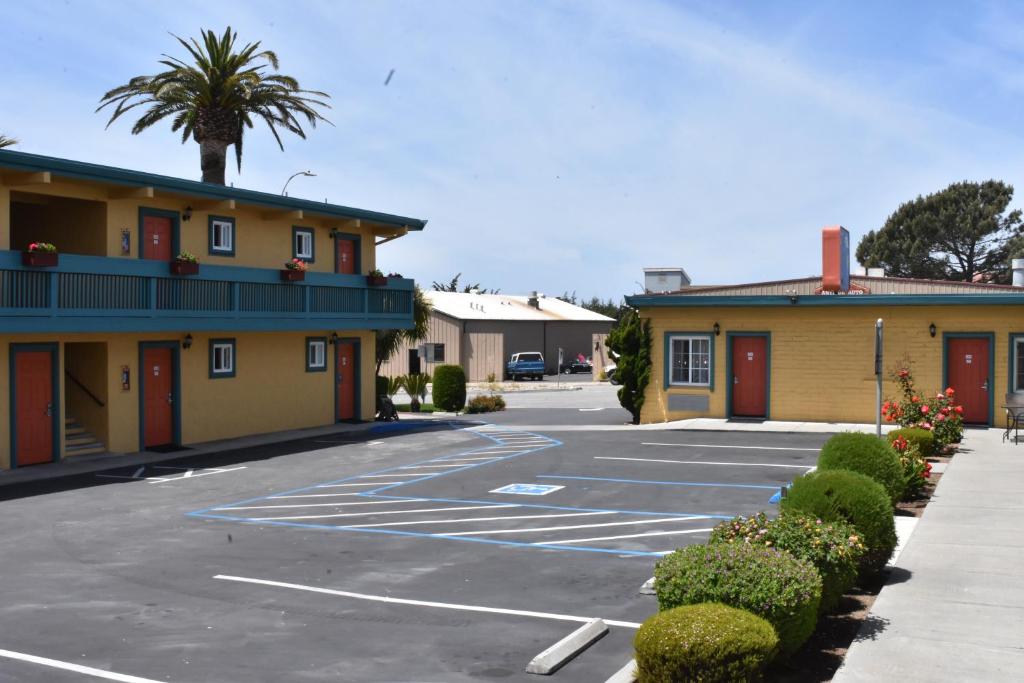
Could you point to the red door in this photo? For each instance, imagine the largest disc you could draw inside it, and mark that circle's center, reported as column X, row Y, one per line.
column 34, row 412
column 345, row 261
column 345, row 377
column 156, row 238
column 749, row 376
column 158, row 397
column 967, row 372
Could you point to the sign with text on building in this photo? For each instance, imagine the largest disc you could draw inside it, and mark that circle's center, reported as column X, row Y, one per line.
column 528, row 489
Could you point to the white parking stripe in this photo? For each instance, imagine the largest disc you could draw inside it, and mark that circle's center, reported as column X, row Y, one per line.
column 77, row 668
column 489, row 457
column 321, row 495
column 426, row 603
column 386, row 512
column 385, row 476
column 478, row 519
column 614, row 538
column 579, row 526
column 708, row 462
column 426, row 467
column 707, row 445
column 318, row 505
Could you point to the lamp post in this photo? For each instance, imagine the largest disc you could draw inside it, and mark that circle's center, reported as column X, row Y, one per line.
column 309, row 174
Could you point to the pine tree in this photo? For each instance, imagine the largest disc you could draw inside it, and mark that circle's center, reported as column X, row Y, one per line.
column 631, row 340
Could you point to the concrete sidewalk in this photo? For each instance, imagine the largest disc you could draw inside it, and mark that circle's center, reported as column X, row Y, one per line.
column 97, row 463
column 953, row 608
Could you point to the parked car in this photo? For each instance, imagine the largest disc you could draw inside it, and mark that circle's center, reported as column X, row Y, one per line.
column 525, row 364
column 571, row 367
column 609, row 372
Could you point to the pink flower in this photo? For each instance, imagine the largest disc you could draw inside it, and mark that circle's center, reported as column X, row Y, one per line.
column 925, row 409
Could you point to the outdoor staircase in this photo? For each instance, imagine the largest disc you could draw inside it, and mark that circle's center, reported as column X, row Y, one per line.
column 77, row 441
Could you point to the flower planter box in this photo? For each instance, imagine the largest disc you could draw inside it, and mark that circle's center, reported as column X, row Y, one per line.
column 377, row 280
column 39, row 259
column 289, row 275
column 184, row 268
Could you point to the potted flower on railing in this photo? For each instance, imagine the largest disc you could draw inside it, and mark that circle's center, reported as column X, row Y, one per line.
column 185, row 263
column 40, row 254
column 376, row 278
column 294, row 270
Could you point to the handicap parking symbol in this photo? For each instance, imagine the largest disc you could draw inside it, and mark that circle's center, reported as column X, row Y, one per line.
column 528, row 489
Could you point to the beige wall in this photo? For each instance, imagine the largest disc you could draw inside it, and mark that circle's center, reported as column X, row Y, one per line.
column 483, row 355
column 271, row 390
column 442, row 330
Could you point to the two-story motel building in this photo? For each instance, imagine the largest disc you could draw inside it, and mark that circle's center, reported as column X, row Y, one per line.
column 109, row 350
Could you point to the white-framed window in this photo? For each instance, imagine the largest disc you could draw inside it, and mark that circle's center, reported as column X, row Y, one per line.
column 689, row 360
column 222, row 358
column 1018, row 364
column 316, row 354
column 302, row 244
column 222, row 236
column 434, row 353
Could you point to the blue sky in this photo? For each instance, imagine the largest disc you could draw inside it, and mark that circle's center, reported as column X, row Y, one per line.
column 566, row 145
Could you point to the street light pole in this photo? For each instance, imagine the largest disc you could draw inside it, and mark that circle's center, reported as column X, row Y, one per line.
column 305, row 173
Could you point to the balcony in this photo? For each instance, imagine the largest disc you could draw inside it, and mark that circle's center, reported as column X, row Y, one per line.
column 100, row 294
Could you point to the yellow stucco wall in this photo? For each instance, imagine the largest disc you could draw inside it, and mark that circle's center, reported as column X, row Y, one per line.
column 271, row 390
column 822, row 357
column 263, row 239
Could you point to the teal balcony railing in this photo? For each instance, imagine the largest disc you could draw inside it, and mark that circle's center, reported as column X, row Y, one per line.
column 100, row 294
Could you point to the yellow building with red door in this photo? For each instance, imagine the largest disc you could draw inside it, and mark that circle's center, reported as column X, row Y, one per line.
column 114, row 344
column 804, row 349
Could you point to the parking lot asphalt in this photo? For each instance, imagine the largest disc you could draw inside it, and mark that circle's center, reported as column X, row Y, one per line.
column 391, row 555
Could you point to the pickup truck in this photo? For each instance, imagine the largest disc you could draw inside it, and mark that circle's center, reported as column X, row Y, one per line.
column 526, row 364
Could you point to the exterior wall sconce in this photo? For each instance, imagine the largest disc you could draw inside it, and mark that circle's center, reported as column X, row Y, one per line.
column 187, row 342
column 931, row 329
column 334, row 337
column 717, row 329
column 187, row 214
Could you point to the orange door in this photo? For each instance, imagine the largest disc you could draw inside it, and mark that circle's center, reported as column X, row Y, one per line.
column 345, row 376
column 35, row 412
column 749, row 376
column 158, row 397
column 345, row 262
column 967, row 372
column 156, row 238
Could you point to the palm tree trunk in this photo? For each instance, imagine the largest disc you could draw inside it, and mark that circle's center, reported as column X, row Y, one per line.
column 213, row 158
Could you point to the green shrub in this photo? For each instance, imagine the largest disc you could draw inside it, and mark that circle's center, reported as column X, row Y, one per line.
column 449, row 388
column 407, row 408
column 834, row 548
column 485, row 404
column 832, row 495
column 867, row 454
column 707, row 642
column 767, row 582
column 915, row 436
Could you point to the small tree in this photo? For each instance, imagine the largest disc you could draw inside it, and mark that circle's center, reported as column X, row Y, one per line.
column 631, row 340
column 389, row 341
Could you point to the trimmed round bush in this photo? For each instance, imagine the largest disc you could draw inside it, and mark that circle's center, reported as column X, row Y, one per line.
column 915, row 436
column 767, row 582
column 449, row 388
column 867, row 454
column 834, row 548
column 832, row 495
column 707, row 642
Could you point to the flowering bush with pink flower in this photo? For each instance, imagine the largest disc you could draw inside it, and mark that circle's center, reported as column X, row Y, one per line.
column 940, row 414
column 916, row 469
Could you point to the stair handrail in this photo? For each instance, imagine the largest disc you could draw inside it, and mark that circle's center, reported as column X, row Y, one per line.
column 84, row 388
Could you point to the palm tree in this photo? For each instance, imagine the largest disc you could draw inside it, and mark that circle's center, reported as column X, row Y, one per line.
column 215, row 99
column 6, row 141
column 389, row 341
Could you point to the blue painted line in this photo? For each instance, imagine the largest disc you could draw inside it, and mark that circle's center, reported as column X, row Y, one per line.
column 659, row 483
column 419, row 534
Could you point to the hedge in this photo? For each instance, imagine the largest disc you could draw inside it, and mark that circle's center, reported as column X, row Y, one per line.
column 832, row 495
column 485, row 404
column 867, row 454
column 449, row 389
column 915, row 436
column 834, row 548
column 706, row 642
column 770, row 583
